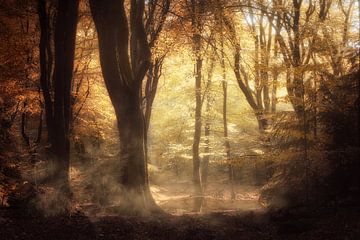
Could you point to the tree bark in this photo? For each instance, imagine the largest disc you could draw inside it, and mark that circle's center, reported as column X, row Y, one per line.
column 65, row 35
column 197, row 136
column 23, row 126
column 151, row 85
column 196, row 22
column 46, row 67
column 196, row 9
column 123, row 82
column 207, row 128
column 258, row 111
column 57, row 109
column 225, row 124
column 297, row 89
column 205, row 162
column 254, row 99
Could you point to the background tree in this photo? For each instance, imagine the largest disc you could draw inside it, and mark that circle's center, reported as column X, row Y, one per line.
column 155, row 14
column 196, row 9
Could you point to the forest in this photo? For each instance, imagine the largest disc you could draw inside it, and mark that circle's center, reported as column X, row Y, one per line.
column 180, row 119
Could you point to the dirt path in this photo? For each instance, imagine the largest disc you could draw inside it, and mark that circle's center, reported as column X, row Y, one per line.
column 176, row 198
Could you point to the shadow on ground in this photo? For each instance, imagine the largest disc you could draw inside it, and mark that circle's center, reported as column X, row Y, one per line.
column 325, row 223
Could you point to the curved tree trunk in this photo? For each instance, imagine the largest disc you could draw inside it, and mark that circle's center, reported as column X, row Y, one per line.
column 123, row 82
column 151, row 85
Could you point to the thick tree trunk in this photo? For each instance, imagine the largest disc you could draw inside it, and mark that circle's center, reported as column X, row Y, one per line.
column 131, row 136
column 57, row 110
column 124, row 98
column 65, row 35
column 123, row 82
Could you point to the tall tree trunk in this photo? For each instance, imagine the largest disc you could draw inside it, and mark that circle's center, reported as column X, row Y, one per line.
column 276, row 69
column 205, row 161
column 154, row 22
column 123, row 82
column 46, row 62
column 225, row 124
column 254, row 98
column 207, row 128
column 358, row 125
column 264, row 63
column 274, row 91
column 258, row 81
column 196, row 21
column 58, row 109
column 197, row 136
column 296, row 86
column 226, row 138
column 65, row 35
column 357, row 75
column 23, row 125
column 258, row 111
column 152, row 81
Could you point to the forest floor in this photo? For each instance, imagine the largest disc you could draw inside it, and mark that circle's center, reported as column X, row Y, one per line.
column 176, row 197
column 320, row 223
column 222, row 218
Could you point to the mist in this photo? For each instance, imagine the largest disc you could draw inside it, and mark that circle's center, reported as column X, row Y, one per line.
column 180, row 119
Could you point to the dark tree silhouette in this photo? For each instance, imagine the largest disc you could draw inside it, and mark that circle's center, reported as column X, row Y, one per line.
column 56, row 86
column 123, row 75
